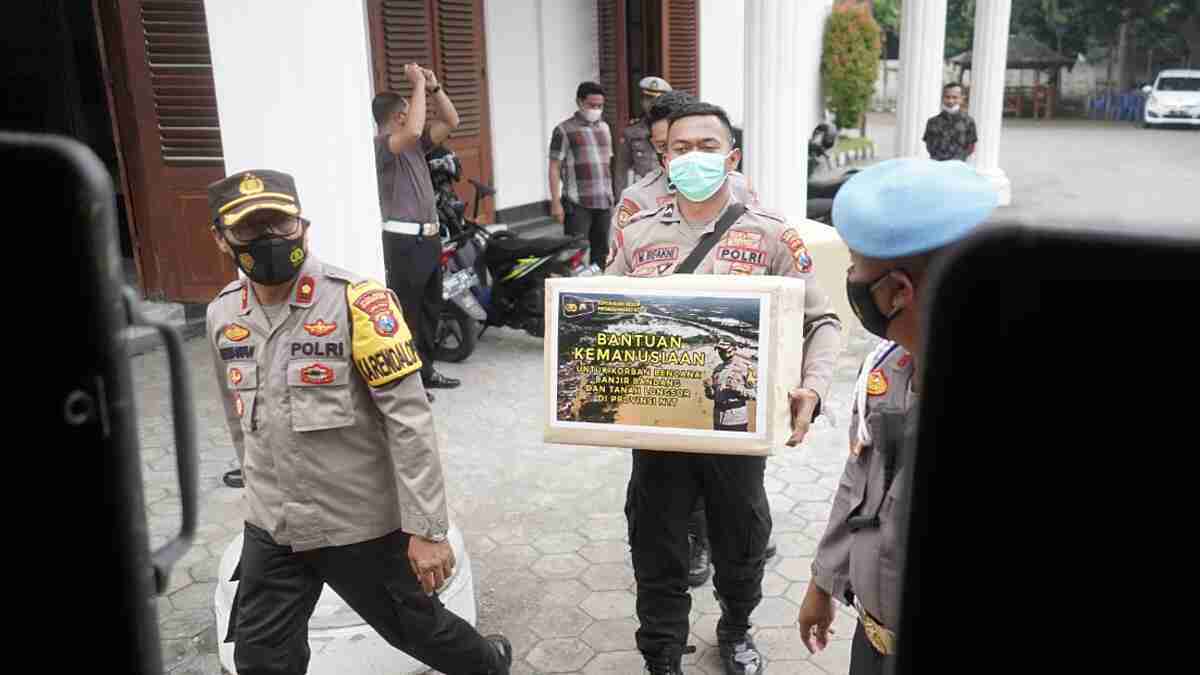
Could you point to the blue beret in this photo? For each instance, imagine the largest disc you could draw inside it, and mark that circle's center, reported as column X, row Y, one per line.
column 907, row 206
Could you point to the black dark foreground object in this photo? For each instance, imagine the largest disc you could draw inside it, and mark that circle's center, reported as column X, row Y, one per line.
column 1054, row 506
column 80, row 579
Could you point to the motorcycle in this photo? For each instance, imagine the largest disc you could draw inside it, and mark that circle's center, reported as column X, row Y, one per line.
column 492, row 278
column 821, row 193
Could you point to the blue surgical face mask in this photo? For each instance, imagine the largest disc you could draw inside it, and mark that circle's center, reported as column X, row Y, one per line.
column 698, row 175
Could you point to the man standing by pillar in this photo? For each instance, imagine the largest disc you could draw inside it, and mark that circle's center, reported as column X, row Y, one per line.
column 412, row 246
column 581, row 153
column 951, row 133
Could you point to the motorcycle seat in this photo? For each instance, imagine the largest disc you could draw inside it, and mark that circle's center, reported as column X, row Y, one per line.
column 505, row 248
column 819, row 209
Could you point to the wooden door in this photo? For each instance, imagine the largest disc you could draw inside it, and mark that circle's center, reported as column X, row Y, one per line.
column 447, row 36
column 170, row 143
column 614, row 75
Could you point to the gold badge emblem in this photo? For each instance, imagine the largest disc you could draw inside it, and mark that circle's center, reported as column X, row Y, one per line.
column 247, row 261
column 251, row 185
column 877, row 383
column 296, row 257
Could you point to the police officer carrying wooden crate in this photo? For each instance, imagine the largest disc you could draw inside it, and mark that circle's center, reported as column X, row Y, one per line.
column 705, row 230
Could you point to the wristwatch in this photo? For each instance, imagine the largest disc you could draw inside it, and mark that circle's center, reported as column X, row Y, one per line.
column 436, row 537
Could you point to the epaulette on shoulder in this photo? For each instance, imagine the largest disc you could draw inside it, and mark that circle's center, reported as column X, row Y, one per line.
column 771, row 215
column 232, row 287
column 647, row 213
column 334, row 272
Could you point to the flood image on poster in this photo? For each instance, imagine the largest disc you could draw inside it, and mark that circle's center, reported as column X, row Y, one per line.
column 658, row 360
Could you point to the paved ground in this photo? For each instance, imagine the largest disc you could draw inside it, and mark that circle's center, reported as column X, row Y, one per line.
column 1085, row 173
column 544, row 524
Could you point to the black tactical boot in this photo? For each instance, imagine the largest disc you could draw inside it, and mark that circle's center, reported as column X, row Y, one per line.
column 699, row 566
column 741, row 657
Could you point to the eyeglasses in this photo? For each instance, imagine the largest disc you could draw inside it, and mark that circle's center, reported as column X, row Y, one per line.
column 246, row 232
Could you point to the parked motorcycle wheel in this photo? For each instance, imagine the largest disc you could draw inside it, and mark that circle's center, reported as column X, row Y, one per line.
column 456, row 336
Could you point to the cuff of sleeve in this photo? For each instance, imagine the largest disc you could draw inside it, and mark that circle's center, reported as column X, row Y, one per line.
column 423, row 525
column 817, row 383
column 833, row 584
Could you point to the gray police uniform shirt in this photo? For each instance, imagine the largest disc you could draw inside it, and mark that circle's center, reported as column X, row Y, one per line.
column 405, row 186
column 867, row 562
column 334, row 435
column 654, row 190
column 653, row 243
column 639, row 153
column 731, row 387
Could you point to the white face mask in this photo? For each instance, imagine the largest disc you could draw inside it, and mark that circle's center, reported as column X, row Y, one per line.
column 952, row 109
column 592, row 114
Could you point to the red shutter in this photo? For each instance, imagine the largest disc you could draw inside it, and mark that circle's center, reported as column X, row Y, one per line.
column 406, row 37
column 447, row 37
column 181, row 77
column 170, row 142
column 614, row 75
column 681, row 44
column 461, row 62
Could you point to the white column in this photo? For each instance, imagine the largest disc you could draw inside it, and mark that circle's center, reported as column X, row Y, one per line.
column 922, row 43
column 286, row 103
column 783, row 61
column 782, row 92
column 988, row 68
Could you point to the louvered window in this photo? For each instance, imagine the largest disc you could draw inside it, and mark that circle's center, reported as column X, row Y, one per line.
column 181, row 78
column 460, row 61
column 683, row 45
column 611, row 61
column 406, row 39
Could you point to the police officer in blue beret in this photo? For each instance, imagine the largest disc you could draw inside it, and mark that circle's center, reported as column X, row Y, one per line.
column 896, row 217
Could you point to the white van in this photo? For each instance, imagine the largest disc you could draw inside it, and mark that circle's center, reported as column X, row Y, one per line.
column 1174, row 99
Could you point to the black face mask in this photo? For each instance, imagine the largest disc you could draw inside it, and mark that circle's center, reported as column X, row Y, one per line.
column 270, row 260
column 863, row 304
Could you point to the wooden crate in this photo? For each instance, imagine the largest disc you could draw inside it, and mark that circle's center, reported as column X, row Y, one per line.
column 632, row 362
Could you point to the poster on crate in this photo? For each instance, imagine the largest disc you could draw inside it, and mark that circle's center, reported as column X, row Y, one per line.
column 661, row 360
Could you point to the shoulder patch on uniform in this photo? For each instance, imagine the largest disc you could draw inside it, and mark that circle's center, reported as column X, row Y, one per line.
column 800, row 255
column 625, row 211
column 382, row 345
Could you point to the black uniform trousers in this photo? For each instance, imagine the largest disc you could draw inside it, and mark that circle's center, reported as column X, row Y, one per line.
column 698, row 523
column 414, row 274
column 864, row 659
column 662, row 493
column 592, row 223
column 279, row 588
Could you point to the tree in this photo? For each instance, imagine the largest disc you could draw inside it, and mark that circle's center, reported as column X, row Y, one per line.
column 850, row 62
column 960, row 26
column 887, row 15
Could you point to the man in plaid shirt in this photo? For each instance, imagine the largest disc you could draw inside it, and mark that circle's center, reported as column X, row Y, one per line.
column 581, row 154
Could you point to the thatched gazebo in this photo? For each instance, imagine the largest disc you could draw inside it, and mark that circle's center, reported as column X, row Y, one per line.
column 1025, row 53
